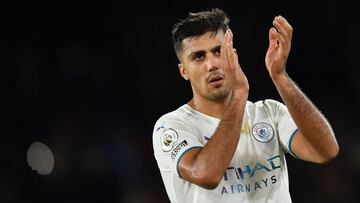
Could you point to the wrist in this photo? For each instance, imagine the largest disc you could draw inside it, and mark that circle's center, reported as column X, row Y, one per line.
column 276, row 78
column 240, row 93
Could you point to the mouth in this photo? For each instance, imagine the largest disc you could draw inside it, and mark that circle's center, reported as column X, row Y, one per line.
column 216, row 80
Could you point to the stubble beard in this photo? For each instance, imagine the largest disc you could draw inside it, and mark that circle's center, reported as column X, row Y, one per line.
column 219, row 94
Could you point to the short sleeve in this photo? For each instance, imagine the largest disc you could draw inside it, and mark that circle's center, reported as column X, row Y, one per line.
column 172, row 138
column 286, row 126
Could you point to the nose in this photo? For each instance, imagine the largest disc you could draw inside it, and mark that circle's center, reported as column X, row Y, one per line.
column 212, row 63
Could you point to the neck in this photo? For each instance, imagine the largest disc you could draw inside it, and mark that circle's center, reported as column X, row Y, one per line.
column 209, row 107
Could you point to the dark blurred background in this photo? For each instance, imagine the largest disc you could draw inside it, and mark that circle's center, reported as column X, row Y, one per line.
column 89, row 79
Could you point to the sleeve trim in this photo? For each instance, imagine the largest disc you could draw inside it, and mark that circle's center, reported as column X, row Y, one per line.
column 290, row 141
column 181, row 155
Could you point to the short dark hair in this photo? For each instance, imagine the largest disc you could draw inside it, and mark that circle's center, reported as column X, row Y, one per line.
column 197, row 24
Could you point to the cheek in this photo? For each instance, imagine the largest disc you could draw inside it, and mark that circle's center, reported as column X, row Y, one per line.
column 196, row 73
column 199, row 83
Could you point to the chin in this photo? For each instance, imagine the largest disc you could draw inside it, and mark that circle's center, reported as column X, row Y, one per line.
column 219, row 94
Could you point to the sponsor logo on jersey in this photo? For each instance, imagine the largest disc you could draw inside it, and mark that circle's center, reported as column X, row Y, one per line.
column 251, row 177
column 263, row 132
column 168, row 139
column 177, row 149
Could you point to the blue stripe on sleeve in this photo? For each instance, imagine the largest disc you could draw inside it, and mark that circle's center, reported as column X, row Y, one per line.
column 289, row 143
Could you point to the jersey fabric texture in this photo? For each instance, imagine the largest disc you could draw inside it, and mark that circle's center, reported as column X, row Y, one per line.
column 257, row 171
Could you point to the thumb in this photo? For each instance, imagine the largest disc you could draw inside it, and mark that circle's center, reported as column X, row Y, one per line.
column 273, row 36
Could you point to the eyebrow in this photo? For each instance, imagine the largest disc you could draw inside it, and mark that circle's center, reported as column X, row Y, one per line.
column 201, row 52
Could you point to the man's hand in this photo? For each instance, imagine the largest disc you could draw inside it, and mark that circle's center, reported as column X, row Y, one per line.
column 315, row 140
column 231, row 64
column 279, row 47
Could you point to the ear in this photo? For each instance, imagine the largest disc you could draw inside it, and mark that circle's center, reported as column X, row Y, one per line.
column 183, row 71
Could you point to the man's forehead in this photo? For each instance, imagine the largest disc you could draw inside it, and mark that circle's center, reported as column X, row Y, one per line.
column 206, row 41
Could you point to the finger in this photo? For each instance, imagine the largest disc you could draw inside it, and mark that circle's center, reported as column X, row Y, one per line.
column 284, row 42
column 284, row 46
column 285, row 32
column 230, row 51
column 273, row 38
column 285, row 24
column 273, row 43
column 236, row 55
column 283, row 27
column 224, row 44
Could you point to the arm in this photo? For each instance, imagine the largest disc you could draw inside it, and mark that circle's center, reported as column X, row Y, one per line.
column 206, row 166
column 315, row 140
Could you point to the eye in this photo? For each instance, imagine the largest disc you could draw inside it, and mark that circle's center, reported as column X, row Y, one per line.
column 217, row 51
column 198, row 56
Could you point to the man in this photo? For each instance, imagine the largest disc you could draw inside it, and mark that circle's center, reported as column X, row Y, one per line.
column 219, row 147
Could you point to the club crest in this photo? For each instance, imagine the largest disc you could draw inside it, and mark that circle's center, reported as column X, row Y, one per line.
column 263, row 132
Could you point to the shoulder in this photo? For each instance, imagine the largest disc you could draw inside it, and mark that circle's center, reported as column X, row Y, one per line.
column 178, row 117
column 265, row 102
column 180, row 113
column 269, row 104
column 271, row 108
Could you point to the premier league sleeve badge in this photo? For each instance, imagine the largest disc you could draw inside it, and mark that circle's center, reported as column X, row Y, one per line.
column 168, row 138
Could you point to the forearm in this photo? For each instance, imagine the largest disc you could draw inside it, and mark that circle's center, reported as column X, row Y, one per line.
column 310, row 121
column 215, row 156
